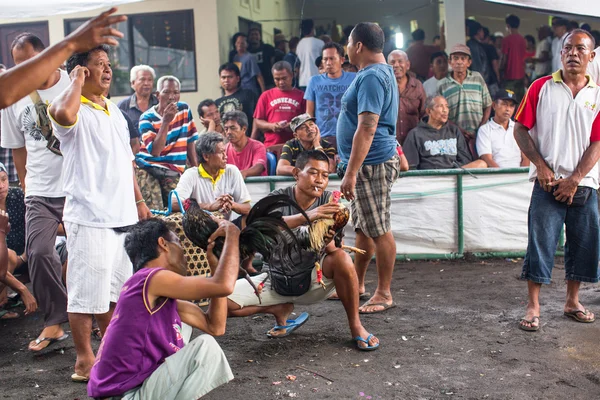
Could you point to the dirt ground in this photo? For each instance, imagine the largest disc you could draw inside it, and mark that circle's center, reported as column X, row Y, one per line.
column 453, row 335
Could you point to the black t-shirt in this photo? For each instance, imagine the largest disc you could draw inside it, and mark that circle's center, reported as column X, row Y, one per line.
column 242, row 100
column 307, row 258
column 15, row 207
column 264, row 54
column 492, row 55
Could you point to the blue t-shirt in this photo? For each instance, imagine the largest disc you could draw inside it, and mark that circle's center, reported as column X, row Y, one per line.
column 327, row 94
column 373, row 90
column 249, row 70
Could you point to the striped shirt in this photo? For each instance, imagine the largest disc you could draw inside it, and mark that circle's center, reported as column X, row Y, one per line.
column 292, row 149
column 466, row 101
column 182, row 130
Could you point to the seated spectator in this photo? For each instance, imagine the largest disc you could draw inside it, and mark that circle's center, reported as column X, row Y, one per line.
column 234, row 97
column 276, row 107
column 12, row 203
column 437, row 144
column 215, row 185
column 146, row 353
column 496, row 144
column 439, row 66
column 249, row 155
column 252, row 78
column 168, row 135
column 210, row 116
column 307, row 136
column 309, row 191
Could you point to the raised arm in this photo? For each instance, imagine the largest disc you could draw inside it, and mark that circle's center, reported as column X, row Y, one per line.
column 65, row 107
column 23, row 79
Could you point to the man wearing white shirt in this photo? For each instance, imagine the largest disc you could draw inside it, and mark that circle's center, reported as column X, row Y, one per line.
column 496, row 144
column 560, row 29
column 25, row 131
column 593, row 68
column 102, row 198
column 309, row 48
column 439, row 65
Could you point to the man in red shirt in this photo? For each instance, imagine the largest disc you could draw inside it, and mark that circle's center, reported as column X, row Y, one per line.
column 276, row 107
column 514, row 47
column 420, row 53
column 249, row 155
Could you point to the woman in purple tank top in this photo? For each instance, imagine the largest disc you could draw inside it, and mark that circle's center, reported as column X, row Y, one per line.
column 143, row 354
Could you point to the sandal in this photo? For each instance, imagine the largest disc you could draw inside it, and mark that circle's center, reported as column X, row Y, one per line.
column 290, row 326
column 368, row 347
column 575, row 315
column 50, row 341
column 531, row 328
column 5, row 314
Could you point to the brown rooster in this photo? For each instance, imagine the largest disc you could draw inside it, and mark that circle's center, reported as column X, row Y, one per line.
column 264, row 229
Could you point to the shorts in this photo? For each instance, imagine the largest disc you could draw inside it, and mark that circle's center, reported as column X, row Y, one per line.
column 98, row 268
column 371, row 208
column 243, row 294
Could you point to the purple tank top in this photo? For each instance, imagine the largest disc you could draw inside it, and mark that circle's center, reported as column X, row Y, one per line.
column 137, row 340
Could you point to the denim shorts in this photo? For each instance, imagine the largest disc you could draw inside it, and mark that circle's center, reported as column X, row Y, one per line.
column 582, row 244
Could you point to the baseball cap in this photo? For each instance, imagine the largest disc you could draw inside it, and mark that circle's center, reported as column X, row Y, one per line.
column 460, row 48
column 505, row 95
column 299, row 120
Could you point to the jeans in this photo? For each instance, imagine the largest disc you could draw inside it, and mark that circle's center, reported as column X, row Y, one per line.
column 582, row 247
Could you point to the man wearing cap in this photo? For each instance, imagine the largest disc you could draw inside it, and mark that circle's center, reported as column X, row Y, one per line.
column 469, row 100
column 307, row 136
column 558, row 129
column 496, row 144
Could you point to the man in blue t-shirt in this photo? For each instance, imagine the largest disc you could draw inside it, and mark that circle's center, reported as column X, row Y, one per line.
column 324, row 92
column 366, row 140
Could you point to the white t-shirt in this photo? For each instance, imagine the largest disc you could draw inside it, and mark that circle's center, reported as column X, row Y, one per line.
column 20, row 129
column 201, row 187
column 98, row 169
column 593, row 68
column 493, row 139
column 543, row 68
column 309, row 48
column 556, row 48
column 431, row 86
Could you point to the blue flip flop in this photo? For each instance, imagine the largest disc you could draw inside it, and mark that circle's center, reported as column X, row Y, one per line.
column 291, row 326
column 358, row 339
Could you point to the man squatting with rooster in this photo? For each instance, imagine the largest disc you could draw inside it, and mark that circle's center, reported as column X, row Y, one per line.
column 302, row 283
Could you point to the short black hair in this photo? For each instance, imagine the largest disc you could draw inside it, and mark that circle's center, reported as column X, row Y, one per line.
column 234, row 38
column 438, row 54
column 319, row 61
column 141, row 243
column 205, row 103
column 486, row 32
column 307, row 155
column 557, row 21
column 596, row 35
column 293, row 43
column 307, row 26
column 27, row 37
column 370, row 35
column 237, row 116
column 436, row 37
column 580, row 32
column 229, row 67
column 81, row 59
column 573, row 24
column 513, row 21
column 334, row 45
column 586, row 27
column 418, row 34
column 530, row 38
column 473, row 27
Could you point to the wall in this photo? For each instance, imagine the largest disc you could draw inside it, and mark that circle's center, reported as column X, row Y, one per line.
column 280, row 14
column 205, row 29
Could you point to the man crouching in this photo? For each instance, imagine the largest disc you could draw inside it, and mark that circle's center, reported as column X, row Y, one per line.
column 312, row 176
column 144, row 353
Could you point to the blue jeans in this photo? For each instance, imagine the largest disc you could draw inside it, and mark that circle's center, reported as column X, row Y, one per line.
column 582, row 244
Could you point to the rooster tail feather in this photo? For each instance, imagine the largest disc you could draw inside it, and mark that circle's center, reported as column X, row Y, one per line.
column 270, row 206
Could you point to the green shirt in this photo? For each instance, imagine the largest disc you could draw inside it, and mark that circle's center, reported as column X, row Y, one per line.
column 467, row 101
column 292, row 149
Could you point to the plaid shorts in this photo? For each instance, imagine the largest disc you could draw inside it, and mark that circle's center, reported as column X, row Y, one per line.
column 371, row 208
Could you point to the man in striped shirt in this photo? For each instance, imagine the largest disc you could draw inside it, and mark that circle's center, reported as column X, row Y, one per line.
column 168, row 136
column 468, row 97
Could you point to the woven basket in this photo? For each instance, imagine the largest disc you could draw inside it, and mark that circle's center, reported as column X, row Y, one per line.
column 196, row 257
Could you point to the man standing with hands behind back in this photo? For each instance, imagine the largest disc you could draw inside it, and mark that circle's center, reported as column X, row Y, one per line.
column 366, row 139
column 558, row 129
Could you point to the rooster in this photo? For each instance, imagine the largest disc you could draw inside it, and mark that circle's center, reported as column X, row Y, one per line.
column 264, row 233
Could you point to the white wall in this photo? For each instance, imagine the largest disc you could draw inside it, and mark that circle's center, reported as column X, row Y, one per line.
column 205, row 30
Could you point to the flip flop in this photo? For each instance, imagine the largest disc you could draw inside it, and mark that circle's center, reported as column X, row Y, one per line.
column 358, row 339
column 50, row 341
column 291, row 326
column 79, row 379
column 361, row 296
column 575, row 316
column 384, row 305
column 6, row 315
column 530, row 328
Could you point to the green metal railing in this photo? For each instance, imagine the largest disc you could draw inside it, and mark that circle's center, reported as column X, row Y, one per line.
column 459, row 173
